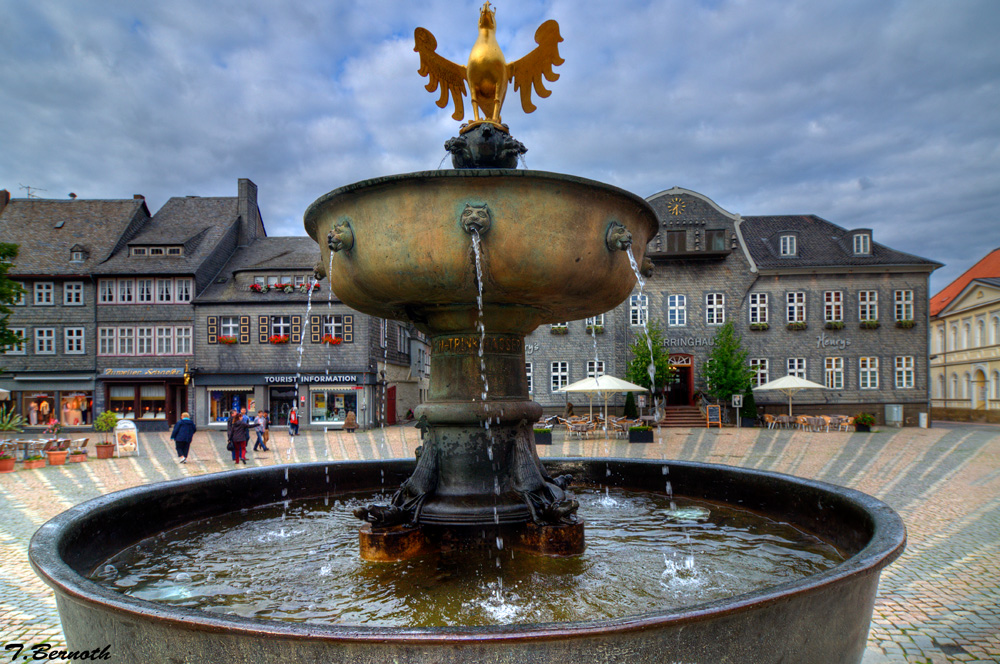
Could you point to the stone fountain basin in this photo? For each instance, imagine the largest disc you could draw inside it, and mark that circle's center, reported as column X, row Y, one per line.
column 545, row 256
column 822, row 618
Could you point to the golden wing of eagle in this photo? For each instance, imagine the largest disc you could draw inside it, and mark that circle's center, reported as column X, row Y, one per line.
column 440, row 71
column 527, row 72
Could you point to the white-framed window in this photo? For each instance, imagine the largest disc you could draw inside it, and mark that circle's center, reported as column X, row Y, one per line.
column 834, row 373
column 868, row 373
column 867, row 305
column 715, row 308
column 904, row 372
column 20, row 295
column 796, row 307
column 44, row 293
column 833, row 306
column 144, row 290
column 272, row 281
column 45, row 341
column 597, row 321
column 677, row 311
column 106, row 341
column 76, row 256
column 528, row 375
column 797, row 367
column 904, row 305
column 862, row 243
column 126, row 291
column 73, row 341
column 164, row 290
column 758, row 307
column 164, row 341
column 138, row 251
column 73, row 294
column 595, row 368
column 559, row 375
column 106, row 291
column 788, row 245
column 144, row 340
column 638, row 309
column 559, row 327
column 260, row 280
column 759, row 364
column 175, row 251
column 16, row 349
column 282, row 326
column 182, row 290
column 229, row 326
column 183, row 341
column 383, row 333
column 333, row 326
column 156, row 251
column 126, row 341
column 300, row 280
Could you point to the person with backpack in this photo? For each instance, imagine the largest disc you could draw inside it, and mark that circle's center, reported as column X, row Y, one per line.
column 238, row 434
column 182, row 435
column 293, row 421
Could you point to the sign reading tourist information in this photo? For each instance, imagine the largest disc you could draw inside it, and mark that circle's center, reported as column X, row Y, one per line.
column 313, row 379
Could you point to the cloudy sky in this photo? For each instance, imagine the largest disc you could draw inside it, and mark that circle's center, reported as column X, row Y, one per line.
column 872, row 114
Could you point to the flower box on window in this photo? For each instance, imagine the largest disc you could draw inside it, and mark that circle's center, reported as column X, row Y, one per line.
column 332, row 340
column 905, row 324
column 305, row 288
column 278, row 339
column 759, row 327
column 258, row 288
column 798, row 326
column 595, row 329
column 834, row 325
column 228, row 340
column 869, row 325
column 559, row 329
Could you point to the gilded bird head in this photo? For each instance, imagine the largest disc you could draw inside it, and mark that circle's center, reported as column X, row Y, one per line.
column 487, row 17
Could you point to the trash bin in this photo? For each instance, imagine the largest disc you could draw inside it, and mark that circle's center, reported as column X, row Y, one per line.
column 923, row 420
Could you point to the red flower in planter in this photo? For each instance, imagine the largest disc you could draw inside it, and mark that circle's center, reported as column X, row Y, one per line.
column 332, row 340
column 256, row 288
column 278, row 339
column 227, row 340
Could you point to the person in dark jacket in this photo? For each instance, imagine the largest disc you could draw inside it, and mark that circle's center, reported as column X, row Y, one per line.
column 182, row 434
column 238, row 433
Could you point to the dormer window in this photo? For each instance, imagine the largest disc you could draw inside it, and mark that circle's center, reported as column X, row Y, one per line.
column 156, row 251
column 789, row 246
column 138, row 251
column 174, row 251
column 76, row 256
column 862, row 244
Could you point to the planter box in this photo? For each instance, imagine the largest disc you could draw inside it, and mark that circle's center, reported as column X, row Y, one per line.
column 748, row 422
column 57, row 457
column 543, row 438
column 105, row 451
column 862, row 428
column 77, row 458
column 34, row 463
column 7, row 465
column 640, row 436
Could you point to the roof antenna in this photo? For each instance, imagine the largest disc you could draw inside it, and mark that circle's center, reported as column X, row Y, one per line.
column 31, row 190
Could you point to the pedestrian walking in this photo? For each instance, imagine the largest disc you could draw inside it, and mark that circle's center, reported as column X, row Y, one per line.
column 181, row 435
column 238, row 434
column 293, row 421
column 259, row 426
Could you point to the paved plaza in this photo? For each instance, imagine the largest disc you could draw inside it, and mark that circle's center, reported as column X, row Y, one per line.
column 940, row 602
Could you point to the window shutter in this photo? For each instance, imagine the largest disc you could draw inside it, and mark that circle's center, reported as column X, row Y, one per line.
column 213, row 329
column 244, row 329
column 315, row 330
column 296, row 330
column 263, row 328
column 348, row 329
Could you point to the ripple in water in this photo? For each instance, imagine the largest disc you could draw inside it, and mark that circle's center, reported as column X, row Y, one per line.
column 645, row 553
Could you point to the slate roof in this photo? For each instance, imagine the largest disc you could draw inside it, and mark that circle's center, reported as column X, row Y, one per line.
column 195, row 222
column 988, row 267
column 820, row 244
column 95, row 226
column 265, row 256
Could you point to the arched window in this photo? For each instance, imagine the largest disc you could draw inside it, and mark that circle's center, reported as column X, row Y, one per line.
column 942, row 333
column 967, row 386
column 966, row 336
column 954, row 337
column 996, row 387
column 940, row 388
column 980, row 336
column 954, row 387
column 995, row 333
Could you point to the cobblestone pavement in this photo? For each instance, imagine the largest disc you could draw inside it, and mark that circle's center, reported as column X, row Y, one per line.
column 940, row 602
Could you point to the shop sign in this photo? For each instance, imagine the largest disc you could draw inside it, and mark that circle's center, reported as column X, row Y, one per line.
column 686, row 342
column 311, row 379
column 822, row 341
column 143, row 373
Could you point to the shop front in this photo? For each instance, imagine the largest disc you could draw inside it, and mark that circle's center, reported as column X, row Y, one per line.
column 154, row 397
column 323, row 400
column 47, row 399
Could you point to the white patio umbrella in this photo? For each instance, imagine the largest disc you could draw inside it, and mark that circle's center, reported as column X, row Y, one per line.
column 602, row 386
column 789, row 385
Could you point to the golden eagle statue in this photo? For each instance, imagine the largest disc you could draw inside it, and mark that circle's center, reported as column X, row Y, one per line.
column 487, row 72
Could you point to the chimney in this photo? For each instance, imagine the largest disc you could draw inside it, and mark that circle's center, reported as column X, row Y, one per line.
column 4, row 199
column 138, row 197
column 251, row 226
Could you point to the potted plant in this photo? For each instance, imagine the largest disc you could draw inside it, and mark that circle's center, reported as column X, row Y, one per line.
column 10, row 422
column 77, row 455
column 332, row 340
column 543, row 436
column 797, row 326
column 34, row 461
column 558, row 329
column 105, row 423
column 759, row 327
column 905, row 324
column 57, row 457
column 834, row 325
column 228, row 340
column 278, row 339
column 288, row 288
column 863, row 421
column 258, row 288
column 640, row 434
column 6, row 462
column 595, row 329
column 869, row 325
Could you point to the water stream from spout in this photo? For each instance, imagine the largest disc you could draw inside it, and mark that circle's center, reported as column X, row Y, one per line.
column 651, row 369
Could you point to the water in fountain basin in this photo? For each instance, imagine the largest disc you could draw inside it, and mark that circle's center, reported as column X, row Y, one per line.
column 307, row 568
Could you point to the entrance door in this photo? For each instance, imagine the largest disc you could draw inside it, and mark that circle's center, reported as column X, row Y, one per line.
column 281, row 402
column 178, row 404
column 390, row 405
column 679, row 389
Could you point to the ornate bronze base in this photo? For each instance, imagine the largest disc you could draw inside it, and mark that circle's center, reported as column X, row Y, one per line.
column 389, row 545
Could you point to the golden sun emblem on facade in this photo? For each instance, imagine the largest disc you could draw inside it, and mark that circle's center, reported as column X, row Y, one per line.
column 675, row 206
